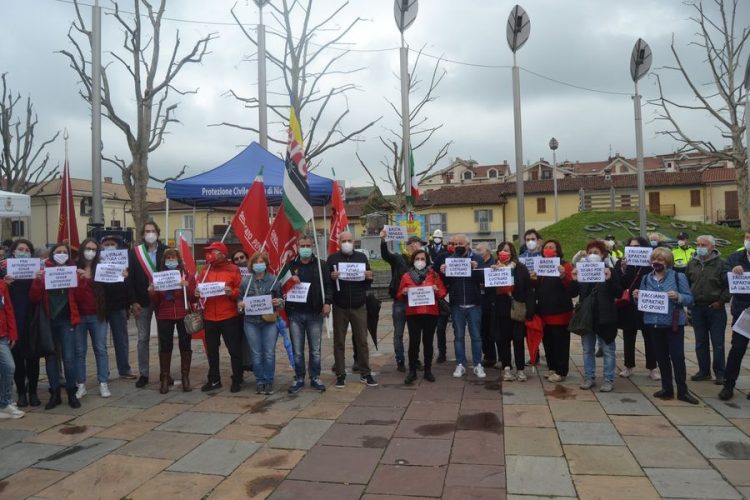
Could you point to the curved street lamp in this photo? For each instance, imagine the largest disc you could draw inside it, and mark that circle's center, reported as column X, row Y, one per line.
column 640, row 62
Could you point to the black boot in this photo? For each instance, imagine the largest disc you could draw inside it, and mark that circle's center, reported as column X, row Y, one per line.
column 727, row 392
column 185, row 359
column 428, row 376
column 34, row 399
column 411, row 377
column 23, row 402
column 54, row 399
column 72, row 399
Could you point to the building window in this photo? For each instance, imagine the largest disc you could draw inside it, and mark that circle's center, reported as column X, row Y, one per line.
column 492, row 174
column 625, row 201
column 695, row 197
column 467, row 175
column 86, row 206
column 483, row 217
column 437, row 221
column 115, row 223
column 546, row 174
column 17, row 229
column 188, row 222
column 541, row 205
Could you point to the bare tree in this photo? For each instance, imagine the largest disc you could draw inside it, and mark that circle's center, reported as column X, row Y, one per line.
column 141, row 57
column 305, row 66
column 722, row 42
column 421, row 131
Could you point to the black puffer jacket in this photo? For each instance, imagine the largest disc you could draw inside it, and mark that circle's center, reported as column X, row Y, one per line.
column 629, row 317
column 399, row 267
column 351, row 294
column 605, row 311
column 308, row 273
column 138, row 281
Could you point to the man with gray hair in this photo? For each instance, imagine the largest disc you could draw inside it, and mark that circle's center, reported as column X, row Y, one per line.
column 708, row 282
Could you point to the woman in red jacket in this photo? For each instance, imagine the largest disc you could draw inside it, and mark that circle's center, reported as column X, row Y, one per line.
column 62, row 310
column 421, row 319
column 8, row 337
column 171, row 307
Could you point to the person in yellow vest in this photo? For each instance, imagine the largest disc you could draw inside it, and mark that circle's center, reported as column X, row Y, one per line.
column 614, row 251
column 682, row 253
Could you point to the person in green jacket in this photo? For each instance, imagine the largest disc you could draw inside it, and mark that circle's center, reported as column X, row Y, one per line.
column 682, row 253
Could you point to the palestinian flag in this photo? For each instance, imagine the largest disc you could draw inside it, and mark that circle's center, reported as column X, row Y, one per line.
column 296, row 197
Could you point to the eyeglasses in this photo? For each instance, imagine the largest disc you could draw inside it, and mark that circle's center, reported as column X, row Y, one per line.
column 309, row 246
column 240, row 259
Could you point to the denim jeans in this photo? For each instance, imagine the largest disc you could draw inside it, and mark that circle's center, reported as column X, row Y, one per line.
column 7, row 368
column 399, row 322
column 709, row 325
column 588, row 342
column 306, row 326
column 473, row 316
column 118, row 325
column 91, row 325
column 262, row 338
column 64, row 334
column 143, row 324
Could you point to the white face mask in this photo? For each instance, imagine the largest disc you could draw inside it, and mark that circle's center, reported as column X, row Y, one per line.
column 531, row 245
column 747, row 245
column 21, row 255
column 89, row 254
column 610, row 243
column 592, row 257
column 347, row 247
column 437, row 240
column 151, row 238
column 60, row 258
column 419, row 265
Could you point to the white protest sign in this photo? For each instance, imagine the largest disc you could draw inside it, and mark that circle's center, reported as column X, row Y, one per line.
column 395, row 233
column 739, row 283
column 109, row 273
column 60, row 277
column 167, row 280
column 258, row 304
column 457, row 268
column 23, row 269
column 531, row 263
column 211, row 289
column 421, row 296
column 742, row 326
column 653, row 302
column 638, row 256
column 115, row 257
column 244, row 271
column 298, row 293
column 590, row 272
column 498, row 277
column 548, row 267
column 351, row 271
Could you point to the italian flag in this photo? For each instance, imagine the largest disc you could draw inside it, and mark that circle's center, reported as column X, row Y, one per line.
column 296, row 197
column 414, row 181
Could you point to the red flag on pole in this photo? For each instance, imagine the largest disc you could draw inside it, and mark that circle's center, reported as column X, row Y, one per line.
column 250, row 223
column 339, row 220
column 67, row 229
column 187, row 256
column 281, row 242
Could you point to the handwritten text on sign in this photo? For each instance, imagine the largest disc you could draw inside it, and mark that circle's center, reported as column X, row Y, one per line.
column 590, row 272
column 742, row 325
column 258, row 304
column 298, row 293
column 638, row 256
column 351, row 271
column 421, row 296
column 395, row 233
column 498, row 277
column 109, row 273
column 530, row 263
column 211, row 289
column 548, row 267
column 60, row 277
column 167, row 280
column 457, row 268
column 23, row 269
column 115, row 257
column 739, row 283
column 653, row 302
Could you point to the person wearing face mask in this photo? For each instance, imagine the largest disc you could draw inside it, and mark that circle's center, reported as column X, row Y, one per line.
column 62, row 310
column 737, row 263
column 657, row 240
column 421, row 319
column 92, row 310
column 532, row 246
column 170, row 309
column 349, row 308
column 438, row 252
column 604, row 318
column 668, row 329
column 143, row 260
column 614, row 251
column 708, row 282
column 682, row 253
column 240, row 259
column 489, row 347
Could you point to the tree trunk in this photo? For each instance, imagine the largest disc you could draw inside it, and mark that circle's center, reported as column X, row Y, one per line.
column 136, row 183
column 743, row 186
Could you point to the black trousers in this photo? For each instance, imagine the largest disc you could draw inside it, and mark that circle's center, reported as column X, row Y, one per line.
column 27, row 369
column 669, row 347
column 489, row 346
column 734, row 358
column 165, row 328
column 442, row 325
column 507, row 332
column 229, row 329
column 628, row 337
column 556, row 342
column 421, row 328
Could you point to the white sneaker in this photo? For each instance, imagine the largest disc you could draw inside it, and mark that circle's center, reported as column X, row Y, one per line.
column 654, row 374
column 459, row 371
column 626, row 372
column 11, row 411
column 554, row 378
column 81, row 392
column 549, row 373
column 521, row 376
column 508, row 375
column 479, row 371
column 104, row 390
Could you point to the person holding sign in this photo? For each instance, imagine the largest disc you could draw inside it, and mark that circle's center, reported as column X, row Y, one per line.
column 170, row 308
column 220, row 316
column 421, row 312
column 604, row 317
column 438, row 252
column 668, row 330
column 489, row 346
column 239, row 258
column 61, row 308
column 8, row 339
column 737, row 263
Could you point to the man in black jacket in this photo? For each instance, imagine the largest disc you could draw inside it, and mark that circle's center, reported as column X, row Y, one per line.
column 438, row 252
column 306, row 318
column 117, row 301
column 350, row 278
column 143, row 261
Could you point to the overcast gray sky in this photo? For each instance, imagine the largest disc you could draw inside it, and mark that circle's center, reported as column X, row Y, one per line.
column 584, row 42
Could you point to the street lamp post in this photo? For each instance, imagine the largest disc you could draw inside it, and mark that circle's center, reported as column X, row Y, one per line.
column 640, row 62
column 97, row 210
column 405, row 12
column 262, row 99
column 553, row 145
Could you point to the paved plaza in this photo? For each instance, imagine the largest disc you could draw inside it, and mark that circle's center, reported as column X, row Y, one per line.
column 452, row 439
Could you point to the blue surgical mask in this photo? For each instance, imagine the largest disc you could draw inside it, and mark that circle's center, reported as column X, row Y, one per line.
column 654, row 243
column 21, row 255
column 305, row 252
column 701, row 251
column 259, row 267
column 171, row 264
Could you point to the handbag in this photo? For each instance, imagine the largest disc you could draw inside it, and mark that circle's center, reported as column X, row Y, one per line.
column 445, row 307
column 625, row 299
column 41, row 343
column 582, row 322
column 517, row 310
column 269, row 318
column 194, row 322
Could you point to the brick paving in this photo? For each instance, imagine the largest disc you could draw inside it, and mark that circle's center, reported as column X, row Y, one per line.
column 451, row 439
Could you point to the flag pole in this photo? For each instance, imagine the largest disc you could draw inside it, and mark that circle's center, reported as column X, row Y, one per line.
column 66, row 185
column 320, row 275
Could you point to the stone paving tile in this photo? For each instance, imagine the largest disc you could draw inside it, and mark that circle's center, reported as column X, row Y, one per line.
column 105, row 416
column 114, row 476
column 480, row 420
column 575, row 411
column 66, row 434
column 198, row 422
column 162, row 412
column 269, row 458
column 516, row 395
column 626, row 404
column 391, row 497
column 439, row 393
column 488, row 389
column 718, row 442
column 337, row 464
column 735, row 471
column 601, row 460
column 408, row 480
column 371, row 415
column 128, row 430
column 543, row 476
column 267, row 416
column 482, row 476
column 246, row 432
column 602, row 487
column 174, row 485
column 327, row 410
column 159, row 444
column 29, row 481
column 215, row 456
column 428, row 452
column 568, row 391
column 256, row 483
column 674, row 452
column 644, row 425
column 295, row 490
column 600, row 433
column 691, row 483
column 300, row 433
column 384, row 396
column 228, row 404
column 35, row 421
column 474, row 405
column 367, row 436
column 142, row 399
column 477, row 447
column 473, row 493
column 742, row 424
column 282, row 401
column 535, row 497
column 88, row 403
column 527, row 416
column 531, row 441
column 738, row 407
column 425, row 410
column 694, row 415
column 11, row 436
column 418, row 429
column 77, row 457
column 193, row 397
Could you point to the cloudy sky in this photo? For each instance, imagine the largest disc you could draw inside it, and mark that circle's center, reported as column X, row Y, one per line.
column 586, row 43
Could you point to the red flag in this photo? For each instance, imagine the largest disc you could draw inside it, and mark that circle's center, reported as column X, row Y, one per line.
column 250, row 223
column 187, row 256
column 281, row 242
column 67, row 229
column 339, row 220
